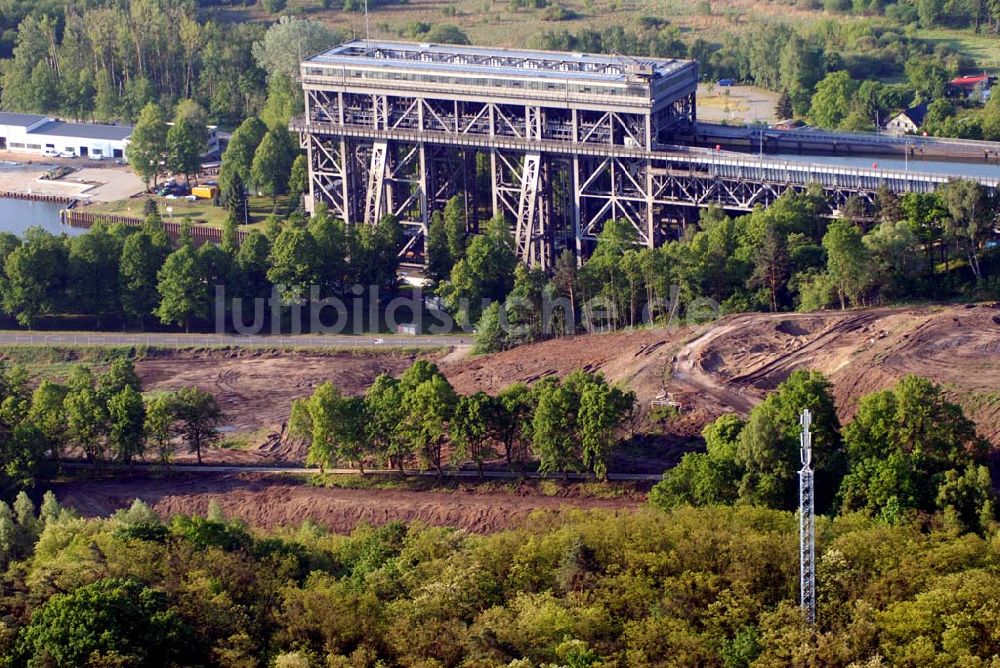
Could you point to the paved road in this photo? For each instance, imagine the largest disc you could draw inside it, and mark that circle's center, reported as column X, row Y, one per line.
column 290, row 470
column 166, row 340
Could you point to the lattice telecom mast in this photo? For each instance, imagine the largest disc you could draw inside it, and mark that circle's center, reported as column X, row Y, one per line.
column 807, row 523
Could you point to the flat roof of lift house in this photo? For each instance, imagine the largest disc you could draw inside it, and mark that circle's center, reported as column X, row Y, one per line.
column 506, row 62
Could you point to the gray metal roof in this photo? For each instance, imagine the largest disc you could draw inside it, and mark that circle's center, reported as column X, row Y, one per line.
column 495, row 61
column 84, row 130
column 22, row 120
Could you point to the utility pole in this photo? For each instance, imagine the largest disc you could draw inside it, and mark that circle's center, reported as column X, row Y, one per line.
column 807, row 523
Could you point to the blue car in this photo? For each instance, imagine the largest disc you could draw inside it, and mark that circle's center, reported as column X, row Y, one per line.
column 725, row 82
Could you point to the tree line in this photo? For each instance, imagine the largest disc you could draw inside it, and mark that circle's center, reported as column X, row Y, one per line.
column 907, row 451
column 787, row 256
column 567, row 425
column 103, row 417
column 107, row 61
column 126, row 274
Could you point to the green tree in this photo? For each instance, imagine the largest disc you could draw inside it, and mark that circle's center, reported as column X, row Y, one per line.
column 298, row 181
column 486, row 272
column 108, row 622
column 783, row 107
column 553, row 428
column 119, row 376
column 900, row 446
column 925, row 214
column 234, row 198
column 801, row 67
column 147, row 147
column 429, row 408
column 334, row 425
column 832, row 101
column 927, row 75
column 272, row 165
column 138, row 265
column 512, row 423
column 332, row 247
column 295, row 262
column 708, row 478
column 182, row 289
column 455, row 227
column 35, row 275
column 93, row 272
column 237, row 160
column 847, row 260
column 185, row 144
column 971, row 218
column 771, row 264
column 472, row 431
column 768, row 449
column 159, row 426
column 385, row 410
column 439, row 261
column 126, row 422
column 991, row 119
column 251, row 264
column 602, row 409
column 375, row 253
column 86, row 417
column 48, row 415
column 198, row 417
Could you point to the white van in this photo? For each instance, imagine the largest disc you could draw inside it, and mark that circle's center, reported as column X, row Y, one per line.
column 50, row 153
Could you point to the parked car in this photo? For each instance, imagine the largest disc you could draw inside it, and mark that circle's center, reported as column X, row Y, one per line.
column 67, row 154
column 50, row 153
column 725, row 82
column 175, row 189
column 96, row 156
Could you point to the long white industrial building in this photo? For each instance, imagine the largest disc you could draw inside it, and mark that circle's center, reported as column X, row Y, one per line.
column 31, row 133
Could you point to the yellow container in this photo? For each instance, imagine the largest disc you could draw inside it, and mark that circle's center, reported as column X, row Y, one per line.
column 204, row 192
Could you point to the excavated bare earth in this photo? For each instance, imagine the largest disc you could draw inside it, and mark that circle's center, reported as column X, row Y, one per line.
column 272, row 501
column 727, row 366
column 735, row 362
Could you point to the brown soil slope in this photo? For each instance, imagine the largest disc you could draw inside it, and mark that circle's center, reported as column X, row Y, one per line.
column 640, row 360
column 256, row 388
column 861, row 351
column 270, row 501
column 726, row 366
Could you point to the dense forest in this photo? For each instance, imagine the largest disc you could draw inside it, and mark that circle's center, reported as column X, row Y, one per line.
column 714, row 586
column 906, row 560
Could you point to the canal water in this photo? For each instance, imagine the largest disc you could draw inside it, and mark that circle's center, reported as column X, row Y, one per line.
column 946, row 167
column 17, row 215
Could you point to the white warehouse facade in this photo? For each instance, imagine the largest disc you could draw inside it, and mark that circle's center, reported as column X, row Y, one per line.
column 31, row 133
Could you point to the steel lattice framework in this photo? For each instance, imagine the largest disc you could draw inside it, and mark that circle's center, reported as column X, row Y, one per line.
column 556, row 143
column 807, row 523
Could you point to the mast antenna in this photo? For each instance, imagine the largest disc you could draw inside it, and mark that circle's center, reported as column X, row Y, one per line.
column 807, row 523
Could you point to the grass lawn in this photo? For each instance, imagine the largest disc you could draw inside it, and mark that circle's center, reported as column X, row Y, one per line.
column 202, row 211
column 985, row 49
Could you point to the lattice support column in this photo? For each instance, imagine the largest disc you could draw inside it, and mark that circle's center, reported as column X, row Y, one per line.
column 375, row 192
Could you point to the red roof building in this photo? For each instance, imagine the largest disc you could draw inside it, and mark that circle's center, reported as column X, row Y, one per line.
column 972, row 81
